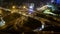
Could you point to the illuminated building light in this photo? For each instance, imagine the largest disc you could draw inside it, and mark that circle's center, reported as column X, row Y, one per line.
column 31, row 7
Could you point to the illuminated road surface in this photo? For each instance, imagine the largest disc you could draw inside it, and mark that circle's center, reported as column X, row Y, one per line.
column 37, row 18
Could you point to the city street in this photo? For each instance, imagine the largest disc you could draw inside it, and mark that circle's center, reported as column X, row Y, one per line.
column 29, row 16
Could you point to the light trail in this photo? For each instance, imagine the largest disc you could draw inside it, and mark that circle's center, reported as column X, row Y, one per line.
column 32, row 16
column 5, row 9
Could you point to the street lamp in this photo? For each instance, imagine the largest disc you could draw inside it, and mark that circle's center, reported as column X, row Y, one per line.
column 13, row 7
column 24, row 6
